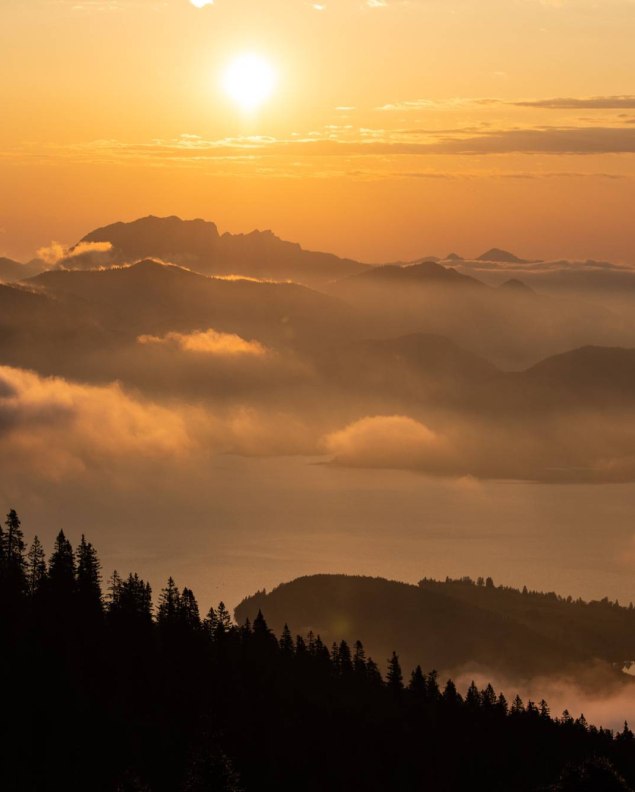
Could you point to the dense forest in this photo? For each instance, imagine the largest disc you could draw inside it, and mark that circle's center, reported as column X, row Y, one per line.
column 597, row 629
column 109, row 692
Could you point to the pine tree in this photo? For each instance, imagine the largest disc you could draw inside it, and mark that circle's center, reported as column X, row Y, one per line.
column 223, row 617
column 345, row 658
column 359, row 659
column 114, row 590
column 394, row 677
column 286, row 642
column 210, row 623
column 189, row 612
column 517, row 706
column 488, row 697
column 13, row 564
column 432, row 685
column 169, row 603
column 133, row 599
column 13, row 539
column 35, row 567
column 417, row 684
column 373, row 673
column 61, row 576
column 88, row 578
column 473, row 696
column 451, row 694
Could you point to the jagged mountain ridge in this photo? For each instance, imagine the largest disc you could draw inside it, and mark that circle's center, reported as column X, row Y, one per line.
column 198, row 245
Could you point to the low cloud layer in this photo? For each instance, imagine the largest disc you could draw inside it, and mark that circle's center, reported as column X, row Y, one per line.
column 386, row 441
column 209, row 342
column 55, row 429
column 539, row 448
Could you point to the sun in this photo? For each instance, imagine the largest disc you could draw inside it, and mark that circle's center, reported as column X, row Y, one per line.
column 249, row 80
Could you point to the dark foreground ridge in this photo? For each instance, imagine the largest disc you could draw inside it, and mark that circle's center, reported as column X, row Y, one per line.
column 110, row 694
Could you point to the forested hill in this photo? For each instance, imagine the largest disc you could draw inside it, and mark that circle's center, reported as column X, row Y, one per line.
column 110, row 693
column 600, row 628
column 455, row 624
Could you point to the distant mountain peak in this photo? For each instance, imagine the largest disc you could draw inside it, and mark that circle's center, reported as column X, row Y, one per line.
column 197, row 245
column 514, row 284
column 502, row 256
column 454, row 257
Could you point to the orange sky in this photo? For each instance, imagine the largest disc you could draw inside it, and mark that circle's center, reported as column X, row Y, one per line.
column 398, row 128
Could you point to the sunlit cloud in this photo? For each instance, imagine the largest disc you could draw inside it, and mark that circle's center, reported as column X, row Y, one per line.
column 385, row 441
column 208, row 342
column 590, row 103
column 56, row 252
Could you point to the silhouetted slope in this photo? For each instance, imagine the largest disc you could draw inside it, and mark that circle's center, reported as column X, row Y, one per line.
column 197, row 245
column 428, row 273
column 596, row 629
column 517, row 286
column 584, row 376
column 150, row 297
column 37, row 329
column 410, row 368
column 430, row 628
column 14, row 270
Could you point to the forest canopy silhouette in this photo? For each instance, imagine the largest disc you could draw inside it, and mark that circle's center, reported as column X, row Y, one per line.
column 113, row 692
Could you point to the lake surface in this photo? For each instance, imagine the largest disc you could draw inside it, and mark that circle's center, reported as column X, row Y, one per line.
column 241, row 524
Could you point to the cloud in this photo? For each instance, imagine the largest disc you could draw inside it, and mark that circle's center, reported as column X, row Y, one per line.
column 52, row 253
column 385, row 441
column 622, row 102
column 547, row 140
column 209, row 342
column 453, row 103
column 52, row 428
column 84, row 255
column 337, row 142
column 56, row 427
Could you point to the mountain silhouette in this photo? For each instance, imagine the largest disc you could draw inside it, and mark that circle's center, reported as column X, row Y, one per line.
column 11, row 270
column 424, row 273
column 430, row 627
column 453, row 625
column 198, row 245
column 151, row 297
column 518, row 286
column 586, row 375
column 501, row 256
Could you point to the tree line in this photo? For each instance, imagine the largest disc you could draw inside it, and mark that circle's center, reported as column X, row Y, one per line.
column 106, row 691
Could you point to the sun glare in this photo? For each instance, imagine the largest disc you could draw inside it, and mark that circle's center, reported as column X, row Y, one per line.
column 249, row 80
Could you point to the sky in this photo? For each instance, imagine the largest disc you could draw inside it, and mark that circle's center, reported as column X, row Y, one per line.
column 395, row 129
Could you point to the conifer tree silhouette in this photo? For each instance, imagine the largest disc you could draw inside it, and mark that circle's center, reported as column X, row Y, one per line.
column 88, row 578
column 394, row 676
